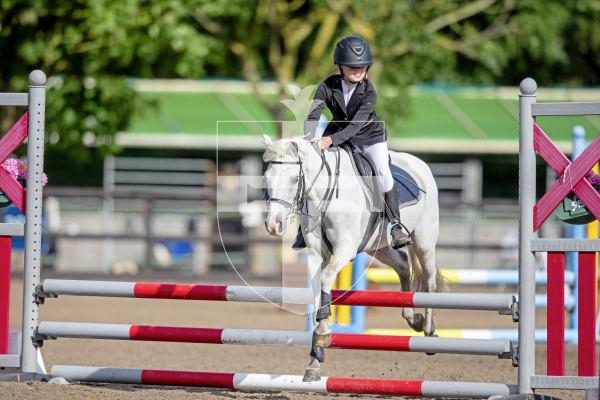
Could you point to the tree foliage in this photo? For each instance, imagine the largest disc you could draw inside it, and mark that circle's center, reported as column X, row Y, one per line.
column 91, row 47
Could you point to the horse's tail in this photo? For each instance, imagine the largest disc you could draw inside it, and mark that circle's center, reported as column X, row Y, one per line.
column 417, row 280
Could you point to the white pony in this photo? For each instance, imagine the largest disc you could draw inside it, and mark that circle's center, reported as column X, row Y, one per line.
column 300, row 173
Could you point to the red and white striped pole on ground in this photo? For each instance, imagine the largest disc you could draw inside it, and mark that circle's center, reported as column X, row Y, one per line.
column 256, row 337
column 266, row 382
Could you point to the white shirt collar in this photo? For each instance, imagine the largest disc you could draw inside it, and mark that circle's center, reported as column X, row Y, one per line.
column 347, row 90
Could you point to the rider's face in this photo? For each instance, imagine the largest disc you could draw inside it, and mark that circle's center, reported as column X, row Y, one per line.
column 354, row 74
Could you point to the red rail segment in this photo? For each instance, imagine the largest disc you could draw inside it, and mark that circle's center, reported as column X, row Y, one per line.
column 5, row 252
column 555, row 315
column 177, row 291
column 587, row 302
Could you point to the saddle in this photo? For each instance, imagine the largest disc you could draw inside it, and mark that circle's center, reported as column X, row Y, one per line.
column 409, row 191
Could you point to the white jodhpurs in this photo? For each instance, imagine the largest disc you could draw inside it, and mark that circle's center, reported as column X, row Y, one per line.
column 379, row 156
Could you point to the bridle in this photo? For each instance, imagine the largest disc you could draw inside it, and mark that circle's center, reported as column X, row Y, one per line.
column 296, row 203
column 302, row 191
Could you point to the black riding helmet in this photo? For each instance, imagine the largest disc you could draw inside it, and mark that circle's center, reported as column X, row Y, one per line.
column 353, row 51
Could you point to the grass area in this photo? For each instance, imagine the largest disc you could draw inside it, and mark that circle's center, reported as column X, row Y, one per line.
column 496, row 118
column 435, row 114
column 200, row 112
column 426, row 118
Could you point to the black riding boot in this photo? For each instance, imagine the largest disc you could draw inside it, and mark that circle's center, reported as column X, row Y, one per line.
column 400, row 238
column 299, row 243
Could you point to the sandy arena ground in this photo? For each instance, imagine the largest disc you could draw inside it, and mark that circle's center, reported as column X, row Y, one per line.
column 220, row 358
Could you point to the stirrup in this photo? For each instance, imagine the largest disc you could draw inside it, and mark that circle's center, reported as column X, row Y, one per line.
column 403, row 240
column 396, row 245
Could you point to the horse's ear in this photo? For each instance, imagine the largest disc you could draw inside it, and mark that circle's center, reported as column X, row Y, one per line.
column 296, row 147
column 267, row 141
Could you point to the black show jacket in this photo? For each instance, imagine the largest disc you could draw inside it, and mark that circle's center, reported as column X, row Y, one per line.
column 357, row 123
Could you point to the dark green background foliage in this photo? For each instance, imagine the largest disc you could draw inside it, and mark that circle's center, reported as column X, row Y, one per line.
column 90, row 48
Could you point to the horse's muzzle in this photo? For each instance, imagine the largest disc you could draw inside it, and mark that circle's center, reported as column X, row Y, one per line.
column 275, row 225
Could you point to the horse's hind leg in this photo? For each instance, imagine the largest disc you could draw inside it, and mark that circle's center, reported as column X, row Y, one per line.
column 398, row 260
column 426, row 257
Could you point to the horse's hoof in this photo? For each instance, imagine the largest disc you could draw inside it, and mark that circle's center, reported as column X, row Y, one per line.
column 318, row 352
column 323, row 340
column 431, row 354
column 431, row 331
column 418, row 322
column 312, row 375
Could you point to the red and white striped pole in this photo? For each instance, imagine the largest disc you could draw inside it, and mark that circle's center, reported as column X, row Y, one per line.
column 502, row 303
column 266, row 382
column 258, row 337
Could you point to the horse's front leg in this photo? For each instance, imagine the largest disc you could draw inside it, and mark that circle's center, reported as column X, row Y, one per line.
column 322, row 333
column 317, row 261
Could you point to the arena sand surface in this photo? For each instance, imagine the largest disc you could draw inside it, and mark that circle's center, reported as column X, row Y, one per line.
column 221, row 358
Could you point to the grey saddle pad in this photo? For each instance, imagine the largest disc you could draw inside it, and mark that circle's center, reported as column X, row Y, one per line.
column 409, row 191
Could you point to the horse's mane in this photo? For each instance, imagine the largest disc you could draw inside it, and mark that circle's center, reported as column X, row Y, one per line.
column 281, row 148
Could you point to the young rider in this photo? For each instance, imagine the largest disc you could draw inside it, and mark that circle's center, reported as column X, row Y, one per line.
column 351, row 98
